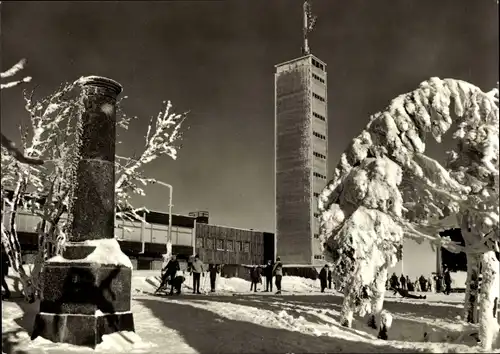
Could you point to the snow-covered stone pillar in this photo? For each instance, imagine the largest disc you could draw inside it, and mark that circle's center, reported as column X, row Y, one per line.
column 87, row 292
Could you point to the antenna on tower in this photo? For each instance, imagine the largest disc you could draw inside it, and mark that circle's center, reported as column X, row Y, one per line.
column 308, row 25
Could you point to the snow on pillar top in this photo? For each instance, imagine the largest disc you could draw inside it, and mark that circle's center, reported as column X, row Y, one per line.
column 110, row 87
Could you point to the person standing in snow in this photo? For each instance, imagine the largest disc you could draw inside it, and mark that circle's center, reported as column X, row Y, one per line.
column 278, row 273
column 409, row 284
column 5, row 272
column 323, row 277
column 268, row 273
column 402, row 280
column 329, row 278
column 447, row 281
column 197, row 270
column 429, row 285
column 394, row 281
column 213, row 269
column 254, row 278
column 422, row 282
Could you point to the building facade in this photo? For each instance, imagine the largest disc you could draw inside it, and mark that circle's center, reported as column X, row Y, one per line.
column 301, row 156
column 145, row 242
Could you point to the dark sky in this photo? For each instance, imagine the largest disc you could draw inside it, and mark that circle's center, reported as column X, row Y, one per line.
column 216, row 59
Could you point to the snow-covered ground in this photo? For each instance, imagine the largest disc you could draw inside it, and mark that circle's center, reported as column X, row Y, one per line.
column 233, row 320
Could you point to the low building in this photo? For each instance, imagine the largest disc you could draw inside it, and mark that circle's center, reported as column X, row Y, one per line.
column 145, row 242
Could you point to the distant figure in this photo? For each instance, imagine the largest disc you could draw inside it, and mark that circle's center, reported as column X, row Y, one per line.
column 402, row 280
column 268, row 273
column 439, row 283
column 447, row 281
column 409, row 284
column 278, row 273
column 197, row 270
column 417, row 286
column 323, row 277
column 329, row 278
column 254, row 278
column 422, row 281
column 429, row 285
column 5, row 272
column 213, row 269
column 168, row 274
column 394, row 282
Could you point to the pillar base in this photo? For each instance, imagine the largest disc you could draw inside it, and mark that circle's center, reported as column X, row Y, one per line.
column 82, row 301
column 82, row 330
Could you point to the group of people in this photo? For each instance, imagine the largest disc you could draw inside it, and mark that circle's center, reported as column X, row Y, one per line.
column 196, row 268
column 440, row 283
column 269, row 271
column 170, row 275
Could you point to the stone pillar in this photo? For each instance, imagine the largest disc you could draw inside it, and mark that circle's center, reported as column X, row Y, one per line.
column 87, row 292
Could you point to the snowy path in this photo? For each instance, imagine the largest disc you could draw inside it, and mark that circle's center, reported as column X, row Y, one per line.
column 252, row 324
column 300, row 321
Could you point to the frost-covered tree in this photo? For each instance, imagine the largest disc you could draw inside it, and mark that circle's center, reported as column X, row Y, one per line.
column 386, row 188
column 45, row 190
column 6, row 142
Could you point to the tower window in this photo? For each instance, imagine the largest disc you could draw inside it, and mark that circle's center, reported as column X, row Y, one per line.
column 318, row 97
column 316, row 174
column 316, row 195
column 319, row 256
column 319, row 116
column 316, row 236
column 316, row 215
column 320, row 136
column 317, row 154
column 318, row 78
column 318, row 65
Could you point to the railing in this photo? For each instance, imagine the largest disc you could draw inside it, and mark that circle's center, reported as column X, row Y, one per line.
column 124, row 230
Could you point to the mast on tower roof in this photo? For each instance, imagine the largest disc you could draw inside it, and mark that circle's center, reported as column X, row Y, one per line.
column 308, row 25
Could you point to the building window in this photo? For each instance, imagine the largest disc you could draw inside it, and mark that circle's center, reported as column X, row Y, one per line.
column 318, row 65
column 199, row 242
column 316, row 215
column 318, row 155
column 220, row 244
column 246, row 247
column 318, row 97
column 319, row 116
column 316, row 195
column 210, row 243
column 318, row 78
column 230, row 245
column 320, row 136
column 316, row 235
column 319, row 256
column 238, row 246
column 319, row 175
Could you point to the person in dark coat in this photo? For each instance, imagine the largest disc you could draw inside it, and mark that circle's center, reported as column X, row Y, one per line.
column 177, row 283
column 213, row 270
column 394, row 283
column 268, row 273
column 5, row 272
column 278, row 273
column 409, row 284
column 402, row 280
column 423, row 285
column 169, row 273
column 329, row 278
column 323, row 277
column 254, row 278
column 447, row 281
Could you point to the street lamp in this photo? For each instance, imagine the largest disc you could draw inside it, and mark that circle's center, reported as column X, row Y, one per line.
column 170, row 205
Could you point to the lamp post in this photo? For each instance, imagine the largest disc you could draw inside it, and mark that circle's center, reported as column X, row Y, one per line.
column 170, row 205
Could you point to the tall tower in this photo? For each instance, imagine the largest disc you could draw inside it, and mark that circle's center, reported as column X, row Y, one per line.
column 301, row 152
